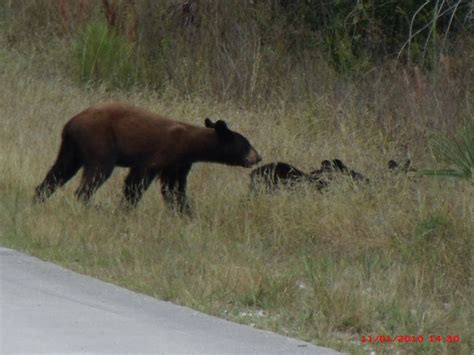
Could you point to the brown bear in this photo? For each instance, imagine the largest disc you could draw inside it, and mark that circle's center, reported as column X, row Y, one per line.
column 115, row 134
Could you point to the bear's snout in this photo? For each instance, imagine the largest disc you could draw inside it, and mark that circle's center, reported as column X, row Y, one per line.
column 252, row 158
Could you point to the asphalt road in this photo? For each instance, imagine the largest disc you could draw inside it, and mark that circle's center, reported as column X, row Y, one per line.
column 47, row 309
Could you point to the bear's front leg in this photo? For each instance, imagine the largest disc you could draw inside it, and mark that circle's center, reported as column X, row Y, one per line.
column 173, row 189
column 136, row 183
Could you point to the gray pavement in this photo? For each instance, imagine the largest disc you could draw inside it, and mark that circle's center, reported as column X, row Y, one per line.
column 47, row 309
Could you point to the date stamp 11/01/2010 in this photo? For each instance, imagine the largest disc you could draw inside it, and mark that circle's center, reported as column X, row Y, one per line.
column 409, row 339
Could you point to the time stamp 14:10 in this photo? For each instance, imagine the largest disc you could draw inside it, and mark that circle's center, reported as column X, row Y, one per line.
column 409, row 339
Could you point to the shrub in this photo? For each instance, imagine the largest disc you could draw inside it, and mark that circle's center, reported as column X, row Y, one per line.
column 458, row 152
column 101, row 56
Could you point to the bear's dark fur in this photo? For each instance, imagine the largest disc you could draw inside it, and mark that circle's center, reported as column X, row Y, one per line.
column 395, row 167
column 275, row 175
column 330, row 167
column 105, row 136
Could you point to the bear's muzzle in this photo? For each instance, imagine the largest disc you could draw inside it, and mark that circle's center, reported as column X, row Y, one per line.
column 252, row 158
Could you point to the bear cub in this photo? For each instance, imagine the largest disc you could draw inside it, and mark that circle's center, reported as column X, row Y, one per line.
column 277, row 175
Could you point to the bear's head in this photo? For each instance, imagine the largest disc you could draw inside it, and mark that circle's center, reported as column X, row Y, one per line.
column 340, row 166
column 234, row 148
column 330, row 166
column 394, row 166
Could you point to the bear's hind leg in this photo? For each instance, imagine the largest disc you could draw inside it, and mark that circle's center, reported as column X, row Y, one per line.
column 93, row 177
column 66, row 166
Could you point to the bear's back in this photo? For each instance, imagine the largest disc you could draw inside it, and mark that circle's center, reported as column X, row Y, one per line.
column 123, row 120
column 128, row 131
column 115, row 112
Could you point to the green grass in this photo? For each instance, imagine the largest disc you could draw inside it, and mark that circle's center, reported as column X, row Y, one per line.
column 101, row 56
column 390, row 258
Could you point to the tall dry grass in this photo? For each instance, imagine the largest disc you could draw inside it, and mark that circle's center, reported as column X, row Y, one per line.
column 390, row 258
column 335, row 58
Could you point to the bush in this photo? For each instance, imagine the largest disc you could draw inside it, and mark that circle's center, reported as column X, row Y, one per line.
column 458, row 152
column 101, row 56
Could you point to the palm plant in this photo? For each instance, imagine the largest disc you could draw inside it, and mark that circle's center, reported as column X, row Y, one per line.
column 458, row 152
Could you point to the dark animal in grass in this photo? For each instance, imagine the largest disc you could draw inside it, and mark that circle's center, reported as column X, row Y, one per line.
column 276, row 175
column 329, row 168
column 395, row 167
column 152, row 146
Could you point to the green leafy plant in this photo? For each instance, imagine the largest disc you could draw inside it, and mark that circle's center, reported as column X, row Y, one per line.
column 458, row 152
column 102, row 56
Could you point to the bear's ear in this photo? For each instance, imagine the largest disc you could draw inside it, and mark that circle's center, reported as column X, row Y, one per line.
column 339, row 165
column 208, row 123
column 222, row 129
column 221, row 126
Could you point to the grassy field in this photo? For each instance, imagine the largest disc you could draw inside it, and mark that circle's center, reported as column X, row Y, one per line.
column 390, row 258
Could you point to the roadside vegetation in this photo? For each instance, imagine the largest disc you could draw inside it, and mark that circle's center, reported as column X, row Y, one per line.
column 304, row 81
